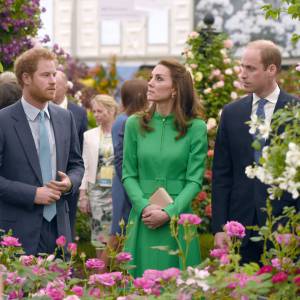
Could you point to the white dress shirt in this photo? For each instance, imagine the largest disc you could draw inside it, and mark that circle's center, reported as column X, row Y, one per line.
column 269, row 106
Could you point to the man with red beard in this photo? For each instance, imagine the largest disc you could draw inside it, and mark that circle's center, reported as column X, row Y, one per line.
column 40, row 161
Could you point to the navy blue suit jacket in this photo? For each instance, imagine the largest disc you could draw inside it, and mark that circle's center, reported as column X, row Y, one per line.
column 20, row 173
column 81, row 121
column 235, row 197
column 120, row 199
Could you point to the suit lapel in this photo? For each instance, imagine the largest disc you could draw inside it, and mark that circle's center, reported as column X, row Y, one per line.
column 245, row 115
column 25, row 136
column 58, row 127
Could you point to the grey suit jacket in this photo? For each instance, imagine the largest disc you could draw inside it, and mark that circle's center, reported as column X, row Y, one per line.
column 20, row 173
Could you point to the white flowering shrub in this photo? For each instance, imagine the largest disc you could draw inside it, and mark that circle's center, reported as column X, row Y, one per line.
column 279, row 165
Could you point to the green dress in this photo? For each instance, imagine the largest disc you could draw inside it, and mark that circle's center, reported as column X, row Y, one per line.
column 155, row 159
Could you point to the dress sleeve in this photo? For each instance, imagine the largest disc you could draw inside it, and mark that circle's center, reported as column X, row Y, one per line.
column 130, row 166
column 195, row 169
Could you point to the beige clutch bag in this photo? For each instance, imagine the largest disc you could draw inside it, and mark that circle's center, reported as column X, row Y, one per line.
column 161, row 198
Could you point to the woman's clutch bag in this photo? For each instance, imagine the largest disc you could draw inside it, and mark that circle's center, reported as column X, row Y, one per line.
column 161, row 198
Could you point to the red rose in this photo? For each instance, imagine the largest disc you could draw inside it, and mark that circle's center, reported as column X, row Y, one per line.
column 265, row 269
column 207, row 210
column 208, row 174
column 210, row 153
column 279, row 277
column 202, row 196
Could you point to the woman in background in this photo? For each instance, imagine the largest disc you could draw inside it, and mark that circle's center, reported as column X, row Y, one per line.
column 133, row 100
column 164, row 147
column 95, row 190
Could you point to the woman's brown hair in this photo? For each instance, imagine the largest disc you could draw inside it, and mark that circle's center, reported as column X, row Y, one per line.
column 134, row 96
column 186, row 105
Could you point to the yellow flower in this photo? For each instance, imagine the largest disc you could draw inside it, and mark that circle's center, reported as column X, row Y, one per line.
column 198, row 76
column 89, row 82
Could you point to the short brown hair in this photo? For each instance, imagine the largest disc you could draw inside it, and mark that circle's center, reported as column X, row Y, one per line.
column 134, row 96
column 270, row 53
column 27, row 62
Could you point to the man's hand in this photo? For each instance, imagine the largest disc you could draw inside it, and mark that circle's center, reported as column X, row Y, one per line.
column 221, row 240
column 155, row 218
column 45, row 195
column 63, row 186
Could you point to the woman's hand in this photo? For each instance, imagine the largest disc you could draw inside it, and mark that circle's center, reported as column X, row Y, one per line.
column 84, row 203
column 155, row 218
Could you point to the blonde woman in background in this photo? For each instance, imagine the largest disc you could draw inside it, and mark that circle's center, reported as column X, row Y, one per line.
column 95, row 191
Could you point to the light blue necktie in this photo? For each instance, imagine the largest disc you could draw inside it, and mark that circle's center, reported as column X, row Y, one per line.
column 45, row 163
column 260, row 112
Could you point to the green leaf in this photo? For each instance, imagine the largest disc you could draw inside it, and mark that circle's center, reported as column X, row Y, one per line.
column 1, row 68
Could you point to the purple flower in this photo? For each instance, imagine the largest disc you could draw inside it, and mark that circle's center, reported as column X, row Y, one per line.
column 234, row 229
column 189, row 219
column 124, row 256
column 95, row 292
column 143, row 283
column 95, row 264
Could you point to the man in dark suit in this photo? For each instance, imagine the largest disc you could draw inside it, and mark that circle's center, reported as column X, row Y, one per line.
column 40, row 160
column 81, row 122
column 235, row 196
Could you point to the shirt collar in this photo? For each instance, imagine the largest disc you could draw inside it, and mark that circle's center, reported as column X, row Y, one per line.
column 273, row 97
column 64, row 103
column 31, row 111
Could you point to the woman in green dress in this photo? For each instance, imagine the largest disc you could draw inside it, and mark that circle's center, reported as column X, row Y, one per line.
column 163, row 147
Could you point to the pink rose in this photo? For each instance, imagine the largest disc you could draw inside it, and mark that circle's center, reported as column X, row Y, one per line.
column 234, row 229
column 284, row 239
column 143, row 283
column 105, row 279
column 171, row 273
column 208, row 210
column 276, row 263
column 298, row 67
column 95, row 292
column 61, row 241
column 228, row 44
column 124, row 256
column 77, row 290
column 26, row 260
column 72, row 248
column 224, row 259
column 95, row 264
column 151, row 274
column 218, row 252
column 279, row 277
column 189, row 219
column 10, row 241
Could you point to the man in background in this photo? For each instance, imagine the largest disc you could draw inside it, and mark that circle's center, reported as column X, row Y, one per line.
column 81, row 122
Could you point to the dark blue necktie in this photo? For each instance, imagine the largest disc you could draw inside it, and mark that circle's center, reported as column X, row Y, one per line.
column 260, row 112
column 45, row 163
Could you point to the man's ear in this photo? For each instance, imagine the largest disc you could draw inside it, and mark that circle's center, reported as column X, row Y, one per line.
column 26, row 78
column 272, row 70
